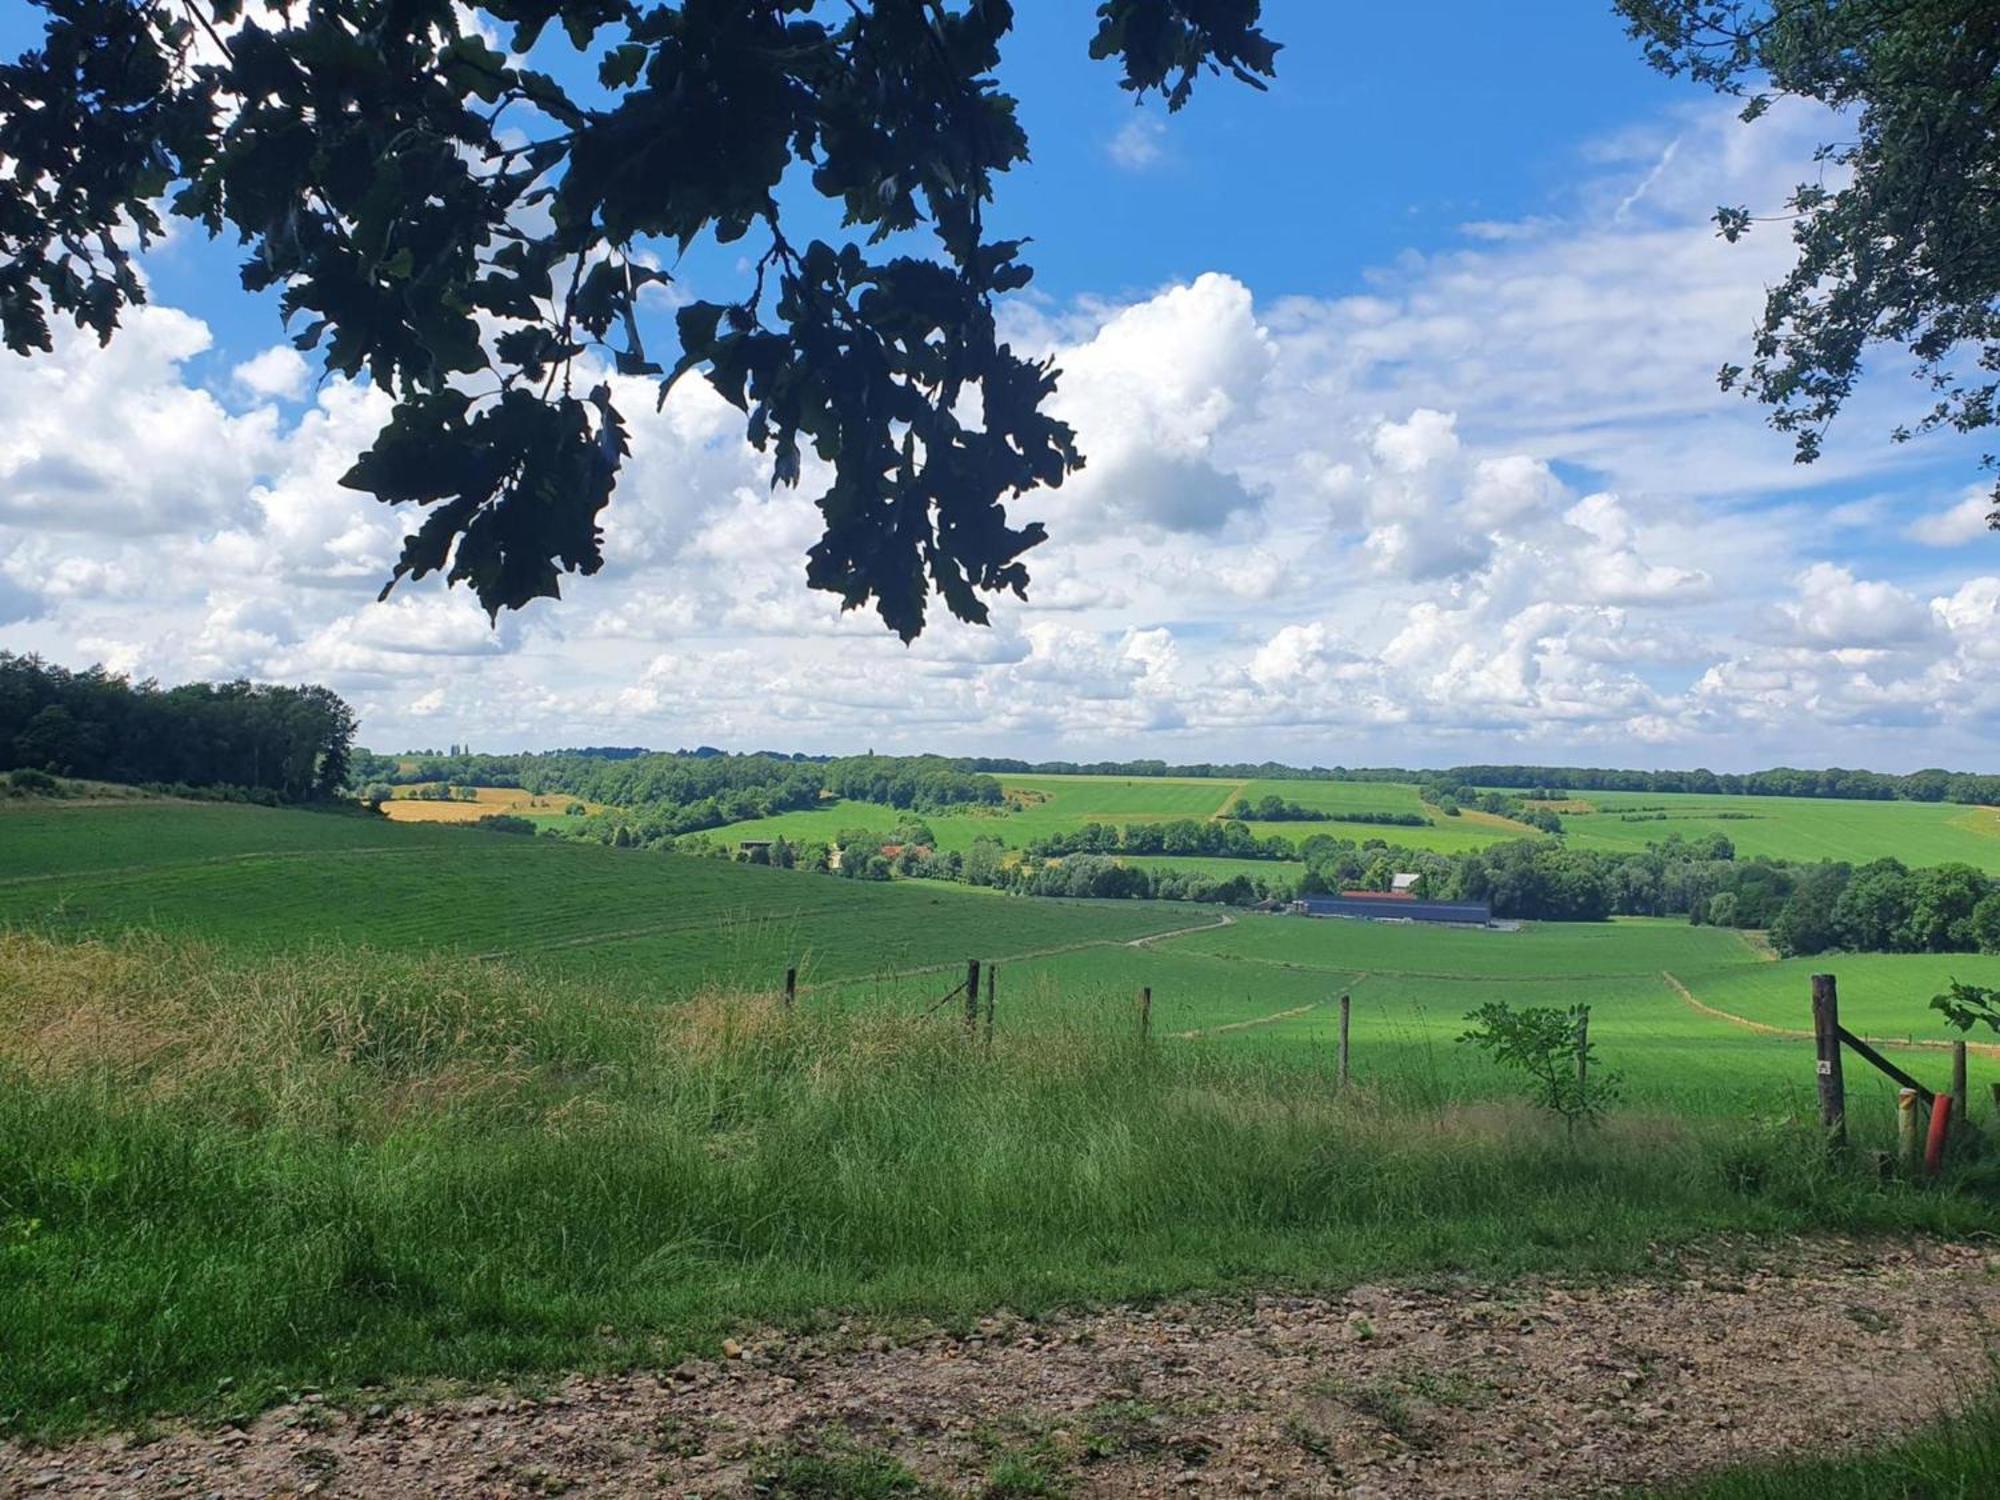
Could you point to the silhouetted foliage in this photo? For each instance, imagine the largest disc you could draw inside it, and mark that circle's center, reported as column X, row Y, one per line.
column 1898, row 247
column 463, row 223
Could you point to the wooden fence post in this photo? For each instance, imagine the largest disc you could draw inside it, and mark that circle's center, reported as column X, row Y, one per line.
column 1346, row 1013
column 1909, row 1138
column 992, row 977
column 972, row 996
column 1146, row 1013
column 791, row 988
column 1996, row 1098
column 1961, row 1097
column 1826, row 1042
column 1583, row 1056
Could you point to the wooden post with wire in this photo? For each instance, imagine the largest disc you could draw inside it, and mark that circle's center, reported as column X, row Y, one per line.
column 1826, row 1043
column 1961, row 1096
column 972, row 997
column 1346, row 1015
column 1146, row 1013
column 1583, row 1056
column 992, row 977
column 791, row 987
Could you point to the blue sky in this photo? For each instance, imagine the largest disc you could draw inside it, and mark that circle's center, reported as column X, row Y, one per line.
column 1397, row 384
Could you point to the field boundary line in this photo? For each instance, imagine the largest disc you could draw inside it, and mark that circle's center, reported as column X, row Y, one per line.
column 1927, row 1044
column 1282, row 1015
column 1223, row 919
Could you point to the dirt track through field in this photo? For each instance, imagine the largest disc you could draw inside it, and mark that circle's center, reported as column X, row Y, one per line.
column 1983, row 1049
column 1270, row 1020
column 1442, row 1391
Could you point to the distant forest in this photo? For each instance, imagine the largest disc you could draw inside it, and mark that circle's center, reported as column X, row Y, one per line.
column 286, row 744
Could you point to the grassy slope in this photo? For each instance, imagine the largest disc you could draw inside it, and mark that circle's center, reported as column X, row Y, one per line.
column 259, row 878
column 41, row 839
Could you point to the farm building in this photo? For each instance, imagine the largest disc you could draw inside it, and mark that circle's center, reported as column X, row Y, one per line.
column 1394, row 906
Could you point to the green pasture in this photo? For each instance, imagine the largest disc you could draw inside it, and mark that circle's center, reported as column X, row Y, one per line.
column 1798, row 828
column 1285, row 871
column 1059, row 804
column 1269, row 987
column 265, row 879
column 1067, row 801
column 1884, row 995
column 1624, row 945
column 824, row 824
column 43, row 839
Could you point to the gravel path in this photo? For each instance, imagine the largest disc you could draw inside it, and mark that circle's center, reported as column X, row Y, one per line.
column 1538, row 1389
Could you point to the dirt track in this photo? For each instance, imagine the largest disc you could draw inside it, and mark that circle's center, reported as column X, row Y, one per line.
column 1536, row 1389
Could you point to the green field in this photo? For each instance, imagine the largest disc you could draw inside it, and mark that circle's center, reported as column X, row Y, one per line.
column 1059, row 804
column 1882, row 995
column 260, row 878
column 299, row 1099
column 1793, row 828
column 1796, row 828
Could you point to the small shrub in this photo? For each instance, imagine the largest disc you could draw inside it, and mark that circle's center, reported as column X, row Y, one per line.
column 1547, row 1044
column 34, row 783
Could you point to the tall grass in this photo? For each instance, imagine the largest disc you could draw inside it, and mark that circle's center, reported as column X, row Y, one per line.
column 221, row 1177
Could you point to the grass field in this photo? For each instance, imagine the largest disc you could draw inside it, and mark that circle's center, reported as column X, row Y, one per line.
column 1797, row 828
column 264, row 1123
column 1059, row 804
column 1884, row 995
column 258, row 878
column 225, row 1175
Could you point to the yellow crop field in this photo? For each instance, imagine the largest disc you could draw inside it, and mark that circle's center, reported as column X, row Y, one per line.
column 404, row 808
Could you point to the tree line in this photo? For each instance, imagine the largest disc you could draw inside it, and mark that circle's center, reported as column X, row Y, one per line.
column 289, row 744
column 1276, row 809
column 663, row 796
